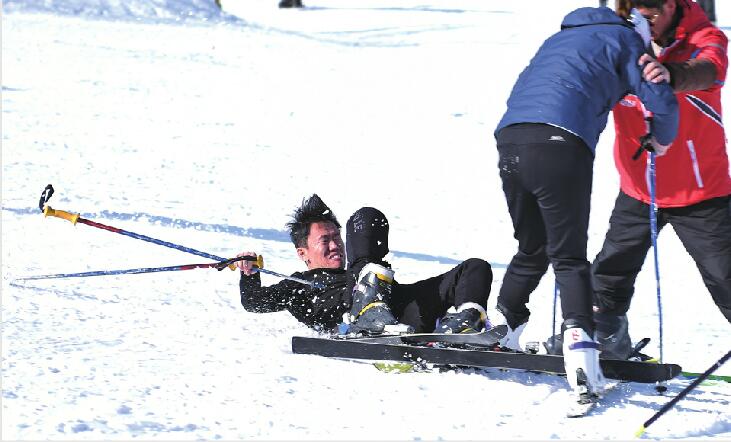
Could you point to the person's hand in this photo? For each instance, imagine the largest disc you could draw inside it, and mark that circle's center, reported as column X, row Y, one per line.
column 654, row 71
column 245, row 266
column 660, row 149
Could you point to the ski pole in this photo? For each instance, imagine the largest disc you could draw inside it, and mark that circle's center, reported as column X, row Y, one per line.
column 217, row 265
column 653, row 237
column 76, row 218
column 646, row 144
column 682, row 394
column 259, row 261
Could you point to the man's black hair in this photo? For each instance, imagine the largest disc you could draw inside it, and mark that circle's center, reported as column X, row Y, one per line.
column 651, row 4
column 312, row 210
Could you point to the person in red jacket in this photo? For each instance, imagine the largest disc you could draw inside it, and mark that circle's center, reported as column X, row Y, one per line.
column 693, row 185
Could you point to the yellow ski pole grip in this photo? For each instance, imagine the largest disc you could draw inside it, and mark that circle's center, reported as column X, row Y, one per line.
column 73, row 217
column 258, row 263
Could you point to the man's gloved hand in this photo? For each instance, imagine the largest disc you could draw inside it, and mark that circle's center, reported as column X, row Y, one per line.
column 660, row 149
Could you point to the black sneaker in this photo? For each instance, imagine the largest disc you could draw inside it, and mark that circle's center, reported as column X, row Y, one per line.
column 469, row 320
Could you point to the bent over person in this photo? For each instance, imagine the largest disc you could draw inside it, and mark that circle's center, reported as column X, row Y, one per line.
column 366, row 294
column 546, row 140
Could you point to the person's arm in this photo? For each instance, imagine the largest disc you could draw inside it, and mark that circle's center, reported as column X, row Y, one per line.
column 258, row 299
column 254, row 297
column 658, row 98
column 706, row 70
column 313, row 307
column 693, row 75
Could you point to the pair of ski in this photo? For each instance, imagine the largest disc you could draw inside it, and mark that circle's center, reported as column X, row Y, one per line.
column 469, row 350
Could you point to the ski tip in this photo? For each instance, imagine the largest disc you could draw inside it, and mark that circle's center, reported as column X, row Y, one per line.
column 712, row 377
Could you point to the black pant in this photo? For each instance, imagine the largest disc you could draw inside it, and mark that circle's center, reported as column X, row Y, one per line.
column 703, row 228
column 419, row 304
column 547, row 178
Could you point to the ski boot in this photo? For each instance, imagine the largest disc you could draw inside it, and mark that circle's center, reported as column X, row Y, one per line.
column 583, row 372
column 611, row 334
column 468, row 318
column 515, row 324
column 370, row 313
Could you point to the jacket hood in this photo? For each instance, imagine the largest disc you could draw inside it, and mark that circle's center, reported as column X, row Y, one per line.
column 592, row 16
column 693, row 18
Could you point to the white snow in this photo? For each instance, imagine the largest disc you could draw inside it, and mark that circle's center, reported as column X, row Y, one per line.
column 170, row 119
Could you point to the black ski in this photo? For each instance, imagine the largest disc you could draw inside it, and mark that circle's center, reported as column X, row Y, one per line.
column 485, row 338
column 633, row 371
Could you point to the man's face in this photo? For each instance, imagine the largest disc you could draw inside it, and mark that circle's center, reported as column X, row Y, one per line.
column 324, row 249
column 660, row 19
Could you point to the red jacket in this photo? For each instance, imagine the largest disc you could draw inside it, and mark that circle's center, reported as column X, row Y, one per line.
column 696, row 167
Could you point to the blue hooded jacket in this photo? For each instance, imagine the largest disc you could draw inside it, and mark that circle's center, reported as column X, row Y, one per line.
column 581, row 72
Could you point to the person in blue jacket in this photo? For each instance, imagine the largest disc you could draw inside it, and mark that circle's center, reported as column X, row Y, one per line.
column 546, row 139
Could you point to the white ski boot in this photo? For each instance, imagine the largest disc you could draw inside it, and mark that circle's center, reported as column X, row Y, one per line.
column 512, row 338
column 583, row 372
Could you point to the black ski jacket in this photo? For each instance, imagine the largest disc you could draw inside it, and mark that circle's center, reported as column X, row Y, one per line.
column 321, row 309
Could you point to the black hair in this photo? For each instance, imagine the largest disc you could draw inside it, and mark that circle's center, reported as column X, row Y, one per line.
column 650, row 4
column 312, row 210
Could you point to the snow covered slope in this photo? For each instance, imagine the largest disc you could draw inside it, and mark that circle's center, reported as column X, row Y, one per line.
column 206, row 128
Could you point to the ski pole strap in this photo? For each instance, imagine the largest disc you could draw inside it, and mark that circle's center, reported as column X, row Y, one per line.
column 45, row 196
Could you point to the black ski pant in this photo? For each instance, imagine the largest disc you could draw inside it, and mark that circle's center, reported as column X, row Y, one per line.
column 421, row 303
column 547, row 177
column 703, row 228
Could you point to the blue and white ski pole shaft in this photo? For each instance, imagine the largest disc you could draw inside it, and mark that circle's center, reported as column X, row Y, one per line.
column 646, row 144
column 75, row 218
